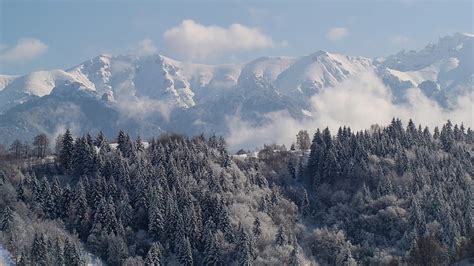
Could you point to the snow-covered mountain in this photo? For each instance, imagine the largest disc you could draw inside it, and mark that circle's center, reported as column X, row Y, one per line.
column 157, row 93
column 320, row 70
column 442, row 70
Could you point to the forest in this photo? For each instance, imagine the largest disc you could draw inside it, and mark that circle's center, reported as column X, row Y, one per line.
column 389, row 195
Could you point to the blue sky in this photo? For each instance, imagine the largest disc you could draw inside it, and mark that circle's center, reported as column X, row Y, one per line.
column 40, row 35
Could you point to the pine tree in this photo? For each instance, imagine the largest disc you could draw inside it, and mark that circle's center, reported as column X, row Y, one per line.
column 244, row 249
column 153, row 257
column 101, row 142
column 56, row 195
column 185, row 255
column 257, row 228
column 124, row 144
column 156, row 223
column 80, row 211
column 72, row 255
column 105, row 218
column 292, row 169
column 139, row 147
column 39, row 251
column 20, row 191
column 281, row 238
column 117, row 250
column 7, row 222
column 305, row 208
column 211, row 251
column 66, row 153
column 24, row 259
column 59, row 253
column 47, row 200
column 294, row 261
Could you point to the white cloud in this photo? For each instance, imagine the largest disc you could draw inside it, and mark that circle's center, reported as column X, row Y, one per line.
column 337, row 33
column 358, row 102
column 197, row 41
column 147, row 47
column 135, row 107
column 24, row 50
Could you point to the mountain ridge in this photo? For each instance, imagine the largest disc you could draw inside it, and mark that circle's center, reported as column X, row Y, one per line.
column 178, row 96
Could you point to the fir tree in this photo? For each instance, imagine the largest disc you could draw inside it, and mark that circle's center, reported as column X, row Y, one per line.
column 153, row 257
column 7, row 221
column 294, row 260
column 72, row 254
column 257, row 228
column 185, row 255
column 39, row 250
column 67, row 149
column 281, row 238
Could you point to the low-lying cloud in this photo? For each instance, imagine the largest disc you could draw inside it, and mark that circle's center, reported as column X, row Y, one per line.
column 359, row 103
column 24, row 50
column 135, row 107
column 197, row 41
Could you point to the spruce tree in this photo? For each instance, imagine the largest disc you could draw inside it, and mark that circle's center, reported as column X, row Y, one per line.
column 153, row 257
column 156, row 223
column 281, row 238
column 67, row 149
column 39, row 250
column 257, row 228
column 185, row 255
column 72, row 255
column 7, row 221
column 244, row 250
column 294, row 261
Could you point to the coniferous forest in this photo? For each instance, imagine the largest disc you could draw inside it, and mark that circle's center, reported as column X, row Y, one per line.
column 389, row 195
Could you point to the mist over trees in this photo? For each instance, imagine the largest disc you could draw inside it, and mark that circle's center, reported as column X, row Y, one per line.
column 386, row 195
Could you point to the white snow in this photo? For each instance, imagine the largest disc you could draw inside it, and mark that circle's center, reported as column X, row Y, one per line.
column 319, row 70
column 5, row 80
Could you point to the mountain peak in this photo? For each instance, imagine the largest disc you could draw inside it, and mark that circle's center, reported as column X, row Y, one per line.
column 321, row 53
column 464, row 34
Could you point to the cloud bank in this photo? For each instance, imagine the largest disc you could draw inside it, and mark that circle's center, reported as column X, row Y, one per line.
column 337, row 33
column 24, row 50
column 197, row 41
column 359, row 103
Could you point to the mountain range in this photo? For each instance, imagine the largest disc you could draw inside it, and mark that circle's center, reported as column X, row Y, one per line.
column 149, row 95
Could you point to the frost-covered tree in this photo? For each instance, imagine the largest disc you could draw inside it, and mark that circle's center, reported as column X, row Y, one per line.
column 153, row 257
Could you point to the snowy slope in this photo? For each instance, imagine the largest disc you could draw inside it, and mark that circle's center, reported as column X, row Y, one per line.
column 320, row 70
column 443, row 69
column 267, row 68
column 35, row 84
